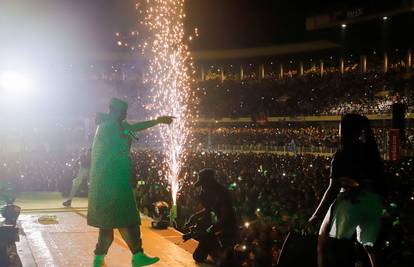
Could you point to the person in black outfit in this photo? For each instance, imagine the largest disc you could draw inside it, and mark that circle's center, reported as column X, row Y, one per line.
column 219, row 238
column 352, row 203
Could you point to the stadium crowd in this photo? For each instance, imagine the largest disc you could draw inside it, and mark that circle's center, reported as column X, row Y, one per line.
column 39, row 170
column 332, row 94
column 275, row 194
column 301, row 136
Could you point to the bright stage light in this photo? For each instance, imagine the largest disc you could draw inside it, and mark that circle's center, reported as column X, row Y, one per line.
column 12, row 81
column 16, row 87
column 343, row 26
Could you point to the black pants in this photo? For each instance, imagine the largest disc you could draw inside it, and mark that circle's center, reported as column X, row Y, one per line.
column 131, row 236
column 337, row 253
column 220, row 249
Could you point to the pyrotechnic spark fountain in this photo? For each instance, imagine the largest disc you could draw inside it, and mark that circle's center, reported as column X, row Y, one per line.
column 169, row 76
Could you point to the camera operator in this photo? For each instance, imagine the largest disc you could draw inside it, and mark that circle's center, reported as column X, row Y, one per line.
column 218, row 237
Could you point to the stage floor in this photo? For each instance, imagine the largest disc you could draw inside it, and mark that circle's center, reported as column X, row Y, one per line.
column 46, row 201
column 70, row 241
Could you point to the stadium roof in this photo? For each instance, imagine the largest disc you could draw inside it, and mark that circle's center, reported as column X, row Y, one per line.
column 254, row 52
column 277, row 50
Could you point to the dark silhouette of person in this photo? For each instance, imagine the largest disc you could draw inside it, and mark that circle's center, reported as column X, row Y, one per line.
column 220, row 237
column 352, row 203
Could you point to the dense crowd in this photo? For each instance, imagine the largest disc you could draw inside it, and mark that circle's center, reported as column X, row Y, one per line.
column 247, row 174
column 283, row 136
column 38, row 171
column 272, row 194
column 275, row 194
column 300, row 136
column 334, row 93
column 42, row 169
column 291, row 139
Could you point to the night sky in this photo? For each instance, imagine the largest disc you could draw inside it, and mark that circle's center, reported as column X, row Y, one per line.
column 89, row 25
column 245, row 23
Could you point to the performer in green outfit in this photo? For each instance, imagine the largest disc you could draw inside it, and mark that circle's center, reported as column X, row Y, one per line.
column 111, row 198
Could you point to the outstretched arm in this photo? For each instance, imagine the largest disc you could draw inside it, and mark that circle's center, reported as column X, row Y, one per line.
column 140, row 126
column 332, row 190
column 329, row 196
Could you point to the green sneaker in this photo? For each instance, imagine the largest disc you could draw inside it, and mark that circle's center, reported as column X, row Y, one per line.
column 140, row 259
column 98, row 261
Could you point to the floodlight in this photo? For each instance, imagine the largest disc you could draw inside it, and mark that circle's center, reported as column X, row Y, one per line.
column 14, row 81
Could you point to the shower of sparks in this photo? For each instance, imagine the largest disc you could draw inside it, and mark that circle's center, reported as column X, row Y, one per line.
column 169, row 76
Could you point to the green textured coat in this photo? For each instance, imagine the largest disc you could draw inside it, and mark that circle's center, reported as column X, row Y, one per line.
column 111, row 198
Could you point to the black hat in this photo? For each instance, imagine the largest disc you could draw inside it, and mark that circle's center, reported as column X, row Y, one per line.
column 205, row 176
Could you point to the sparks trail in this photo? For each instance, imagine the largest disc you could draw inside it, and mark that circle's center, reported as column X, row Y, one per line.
column 169, row 77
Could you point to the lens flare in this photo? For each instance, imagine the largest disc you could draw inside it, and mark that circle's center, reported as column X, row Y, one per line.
column 169, row 77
